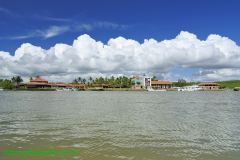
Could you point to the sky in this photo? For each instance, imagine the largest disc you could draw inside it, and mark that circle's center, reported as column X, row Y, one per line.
column 197, row 40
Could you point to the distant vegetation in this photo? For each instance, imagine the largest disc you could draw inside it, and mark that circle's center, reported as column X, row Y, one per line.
column 10, row 84
column 112, row 82
column 6, row 84
column 182, row 83
column 229, row 84
column 223, row 84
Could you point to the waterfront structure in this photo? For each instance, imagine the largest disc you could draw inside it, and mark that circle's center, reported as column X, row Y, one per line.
column 141, row 82
column 209, row 86
column 40, row 82
column 67, row 85
column 161, row 84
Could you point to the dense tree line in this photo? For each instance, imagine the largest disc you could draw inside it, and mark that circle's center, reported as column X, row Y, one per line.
column 113, row 82
column 183, row 82
column 6, row 84
column 10, row 84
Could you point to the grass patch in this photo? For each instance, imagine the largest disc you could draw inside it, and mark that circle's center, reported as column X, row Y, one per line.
column 229, row 84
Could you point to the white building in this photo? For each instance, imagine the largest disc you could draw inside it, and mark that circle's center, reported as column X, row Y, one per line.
column 141, row 82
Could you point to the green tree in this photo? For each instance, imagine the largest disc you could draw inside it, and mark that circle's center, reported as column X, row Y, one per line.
column 84, row 80
column 100, row 80
column 154, row 78
column 6, row 84
column 90, row 79
column 113, row 82
column 17, row 80
column 79, row 79
column 181, row 83
column 75, row 81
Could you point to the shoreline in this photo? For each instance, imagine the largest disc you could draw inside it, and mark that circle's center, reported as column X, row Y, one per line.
column 107, row 90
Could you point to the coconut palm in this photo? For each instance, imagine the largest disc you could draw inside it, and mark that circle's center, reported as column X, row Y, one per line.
column 75, row 81
column 90, row 79
column 84, row 80
column 16, row 80
column 80, row 79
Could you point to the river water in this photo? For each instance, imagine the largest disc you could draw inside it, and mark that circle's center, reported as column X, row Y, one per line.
column 123, row 125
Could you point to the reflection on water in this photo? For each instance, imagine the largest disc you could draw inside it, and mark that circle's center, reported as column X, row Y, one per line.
column 123, row 125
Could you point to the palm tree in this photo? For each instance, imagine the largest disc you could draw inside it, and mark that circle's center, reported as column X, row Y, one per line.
column 79, row 79
column 83, row 80
column 90, row 79
column 75, row 81
column 14, row 80
column 17, row 80
column 154, row 78
column 101, row 80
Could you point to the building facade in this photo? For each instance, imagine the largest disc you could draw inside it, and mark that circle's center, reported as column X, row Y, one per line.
column 160, row 84
column 40, row 82
column 141, row 82
column 209, row 86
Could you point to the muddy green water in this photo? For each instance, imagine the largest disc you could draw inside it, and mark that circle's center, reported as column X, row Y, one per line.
column 123, row 125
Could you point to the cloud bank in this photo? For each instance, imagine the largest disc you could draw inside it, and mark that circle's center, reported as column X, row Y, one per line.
column 216, row 57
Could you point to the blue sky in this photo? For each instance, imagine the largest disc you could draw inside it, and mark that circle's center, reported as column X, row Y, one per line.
column 46, row 23
column 159, row 19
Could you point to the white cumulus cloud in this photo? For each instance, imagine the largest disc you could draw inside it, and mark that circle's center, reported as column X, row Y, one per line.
column 215, row 55
column 219, row 74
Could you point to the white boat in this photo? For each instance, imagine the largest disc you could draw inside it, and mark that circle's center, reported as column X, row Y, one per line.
column 190, row 88
column 1, row 89
column 156, row 90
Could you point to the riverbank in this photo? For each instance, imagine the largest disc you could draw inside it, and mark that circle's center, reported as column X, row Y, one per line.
column 87, row 89
column 35, row 89
column 109, row 90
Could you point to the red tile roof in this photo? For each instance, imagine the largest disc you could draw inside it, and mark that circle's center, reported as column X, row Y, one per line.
column 209, row 84
column 39, row 79
column 160, row 82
